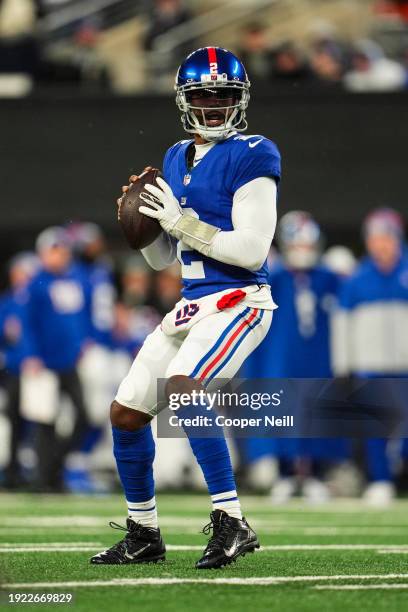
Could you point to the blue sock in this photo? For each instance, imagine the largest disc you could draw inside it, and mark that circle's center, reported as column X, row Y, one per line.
column 378, row 463
column 134, row 454
column 91, row 439
column 213, row 457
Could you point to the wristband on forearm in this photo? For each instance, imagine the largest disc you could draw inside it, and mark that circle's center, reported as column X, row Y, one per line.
column 198, row 233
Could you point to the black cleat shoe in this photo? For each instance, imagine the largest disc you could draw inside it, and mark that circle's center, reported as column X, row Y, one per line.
column 140, row 545
column 231, row 539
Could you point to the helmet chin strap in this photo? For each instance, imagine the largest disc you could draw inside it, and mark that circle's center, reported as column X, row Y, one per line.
column 218, row 133
column 212, row 136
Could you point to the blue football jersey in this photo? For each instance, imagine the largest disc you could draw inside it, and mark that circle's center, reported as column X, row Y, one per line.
column 57, row 317
column 100, row 299
column 298, row 342
column 206, row 191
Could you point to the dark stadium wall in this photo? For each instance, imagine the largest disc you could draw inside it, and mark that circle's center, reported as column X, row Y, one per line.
column 66, row 159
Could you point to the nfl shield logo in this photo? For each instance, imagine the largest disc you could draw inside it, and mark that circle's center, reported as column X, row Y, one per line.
column 187, row 179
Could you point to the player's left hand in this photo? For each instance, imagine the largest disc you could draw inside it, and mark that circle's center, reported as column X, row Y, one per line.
column 162, row 205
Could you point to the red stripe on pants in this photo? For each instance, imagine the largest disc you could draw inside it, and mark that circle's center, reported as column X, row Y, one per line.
column 228, row 344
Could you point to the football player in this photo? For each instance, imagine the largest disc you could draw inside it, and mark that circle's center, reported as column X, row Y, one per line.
column 298, row 346
column 95, row 365
column 375, row 298
column 217, row 202
column 14, row 348
column 57, row 321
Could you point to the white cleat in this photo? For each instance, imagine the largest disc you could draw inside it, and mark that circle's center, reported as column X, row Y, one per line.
column 379, row 494
column 315, row 491
column 283, row 490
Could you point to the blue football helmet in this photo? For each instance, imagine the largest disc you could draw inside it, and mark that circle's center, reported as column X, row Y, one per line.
column 212, row 81
column 299, row 239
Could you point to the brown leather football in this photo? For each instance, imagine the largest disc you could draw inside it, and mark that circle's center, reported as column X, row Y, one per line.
column 139, row 230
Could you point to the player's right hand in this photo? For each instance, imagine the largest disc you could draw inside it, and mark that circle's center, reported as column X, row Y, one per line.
column 132, row 179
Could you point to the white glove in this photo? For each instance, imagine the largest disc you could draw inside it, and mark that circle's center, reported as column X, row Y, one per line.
column 163, row 206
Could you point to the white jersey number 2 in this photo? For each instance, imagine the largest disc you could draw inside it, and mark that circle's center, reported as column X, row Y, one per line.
column 195, row 269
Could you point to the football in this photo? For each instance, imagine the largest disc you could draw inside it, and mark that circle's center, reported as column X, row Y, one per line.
column 139, row 230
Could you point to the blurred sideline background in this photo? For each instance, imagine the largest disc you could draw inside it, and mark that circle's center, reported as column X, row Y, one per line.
column 86, row 99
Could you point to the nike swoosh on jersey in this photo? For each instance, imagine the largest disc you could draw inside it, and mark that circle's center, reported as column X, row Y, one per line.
column 137, row 553
column 253, row 144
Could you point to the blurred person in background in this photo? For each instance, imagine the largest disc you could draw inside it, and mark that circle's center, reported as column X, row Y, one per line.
column 290, row 69
column 76, row 59
column 404, row 63
column 19, row 53
column 340, row 260
column 137, row 293
column 136, row 281
column 86, row 57
column 14, row 349
column 393, row 8
column 371, row 71
column 164, row 16
column 94, row 367
column 327, row 63
column 125, row 342
column 44, row 7
column 129, row 331
column 256, row 52
column 72, row 57
column 58, row 324
column 167, row 289
column 298, row 346
column 370, row 329
column 122, row 338
column 89, row 247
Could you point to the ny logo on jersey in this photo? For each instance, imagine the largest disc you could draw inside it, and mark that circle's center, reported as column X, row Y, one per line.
column 186, row 313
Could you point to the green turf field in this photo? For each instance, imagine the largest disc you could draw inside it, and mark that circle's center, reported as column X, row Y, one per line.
column 339, row 557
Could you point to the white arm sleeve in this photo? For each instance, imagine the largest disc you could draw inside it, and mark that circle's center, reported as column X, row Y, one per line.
column 161, row 253
column 254, row 222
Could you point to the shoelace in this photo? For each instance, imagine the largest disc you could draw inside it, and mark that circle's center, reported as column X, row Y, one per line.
column 220, row 533
column 119, row 547
column 117, row 526
column 138, row 527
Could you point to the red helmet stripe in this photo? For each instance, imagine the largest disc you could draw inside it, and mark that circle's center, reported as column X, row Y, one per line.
column 212, row 55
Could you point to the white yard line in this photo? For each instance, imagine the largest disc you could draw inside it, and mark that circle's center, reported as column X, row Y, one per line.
column 383, row 550
column 349, row 531
column 360, row 587
column 64, row 549
column 24, row 524
column 292, row 547
column 57, row 544
column 55, row 521
column 92, row 546
column 262, row 581
column 300, row 547
column 250, row 502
